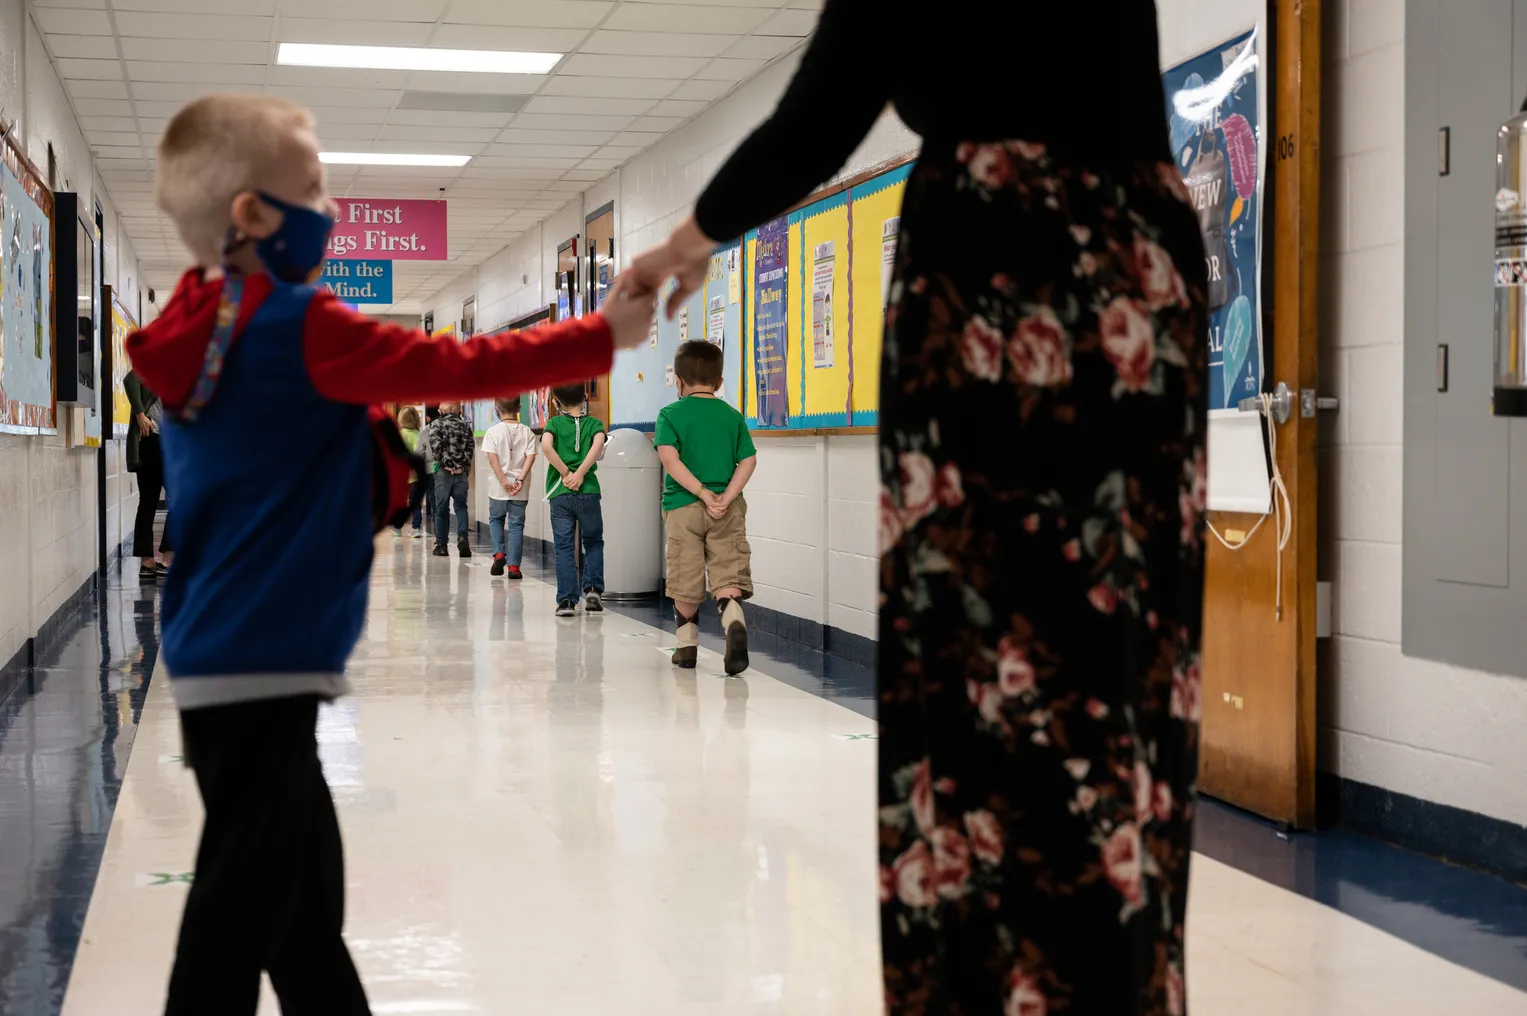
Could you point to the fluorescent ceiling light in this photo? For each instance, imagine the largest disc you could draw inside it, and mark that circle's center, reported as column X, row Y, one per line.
column 390, row 159
column 415, row 58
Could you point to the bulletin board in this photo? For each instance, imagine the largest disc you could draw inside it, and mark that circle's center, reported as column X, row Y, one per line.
column 642, row 380
column 484, row 413
column 28, row 388
column 122, row 325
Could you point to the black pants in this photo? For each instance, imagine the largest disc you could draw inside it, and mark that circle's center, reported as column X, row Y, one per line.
column 269, row 889
column 150, row 483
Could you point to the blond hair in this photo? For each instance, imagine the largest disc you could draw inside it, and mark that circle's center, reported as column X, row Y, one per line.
column 214, row 149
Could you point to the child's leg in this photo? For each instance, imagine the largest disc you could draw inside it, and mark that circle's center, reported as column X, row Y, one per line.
column 257, row 767
column 496, row 512
column 685, row 557
column 591, row 526
column 442, row 507
column 728, row 558
column 563, row 521
column 515, row 522
column 459, row 495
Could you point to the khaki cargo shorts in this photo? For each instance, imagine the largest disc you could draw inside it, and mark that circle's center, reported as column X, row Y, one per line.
column 698, row 544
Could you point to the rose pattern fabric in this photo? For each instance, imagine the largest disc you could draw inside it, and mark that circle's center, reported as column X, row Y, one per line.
column 1041, row 517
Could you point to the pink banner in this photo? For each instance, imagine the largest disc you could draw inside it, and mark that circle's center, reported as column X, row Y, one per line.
column 390, row 229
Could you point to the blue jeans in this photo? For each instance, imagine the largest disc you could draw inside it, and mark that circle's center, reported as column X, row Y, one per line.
column 510, row 514
column 582, row 511
column 448, row 487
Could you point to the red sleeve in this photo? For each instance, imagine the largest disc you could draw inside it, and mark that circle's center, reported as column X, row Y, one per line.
column 353, row 358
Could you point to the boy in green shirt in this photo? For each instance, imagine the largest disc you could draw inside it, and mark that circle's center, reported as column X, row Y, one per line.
column 572, row 443
column 708, row 453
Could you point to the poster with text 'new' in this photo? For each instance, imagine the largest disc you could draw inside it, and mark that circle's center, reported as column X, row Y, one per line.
column 771, row 322
column 1215, row 119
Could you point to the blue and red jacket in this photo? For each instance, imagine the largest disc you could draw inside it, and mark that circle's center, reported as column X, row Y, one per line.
column 271, row 486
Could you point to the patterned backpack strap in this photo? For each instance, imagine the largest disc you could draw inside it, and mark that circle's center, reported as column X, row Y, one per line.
column 217, row 347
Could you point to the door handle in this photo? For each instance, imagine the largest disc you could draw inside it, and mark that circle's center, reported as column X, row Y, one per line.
column 1310, row 403
column 1282, row 403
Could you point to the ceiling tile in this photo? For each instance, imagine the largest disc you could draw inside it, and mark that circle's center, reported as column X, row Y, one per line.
column 681, row 108
column 90, row 124
column 523, row 136
column 365, row 32
column 658, row 124
column 196, row 50
column 407, row 132
column 591, row 65
column 730, row 70
column 582, row 104
column 585, row 175
column 90, row 70
column 709, row 19
column 543, row 121
column 347, row 114
column 448, row 118
column 71, row 4
column 763, row 47
column 572, row 186
column 792, row 23
column 529, row 13
column 117, row 137
column 61, row 21
column 193, row 26
column 636, row 139
column 263, row 7
column 168, row 91
column 806, row 5
column 525, row 40
column 364, row 97
column 668, row 43
column 494, row 84
column 574, row 152
column 366, row 10
column 345, row 132
column 615, row 88
column 523, row 162
column 618, row 152
column 702, row 90
column 80, row 89
column 196, row 73
column 335, row 77
column 88, row 47
column 108, row 152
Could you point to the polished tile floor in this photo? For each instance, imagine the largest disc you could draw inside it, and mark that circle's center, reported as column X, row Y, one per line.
column 542, row 817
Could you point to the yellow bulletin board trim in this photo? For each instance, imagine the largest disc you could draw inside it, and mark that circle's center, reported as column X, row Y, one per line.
column 122, row 325
column 832, row 389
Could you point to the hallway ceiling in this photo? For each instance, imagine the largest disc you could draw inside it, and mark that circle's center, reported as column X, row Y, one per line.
column 634, row 71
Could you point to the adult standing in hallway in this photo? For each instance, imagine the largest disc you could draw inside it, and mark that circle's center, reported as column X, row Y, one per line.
column 1042, row 428
column 145, row 458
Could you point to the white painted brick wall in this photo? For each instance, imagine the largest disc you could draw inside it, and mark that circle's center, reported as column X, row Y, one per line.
column 1422, row 728
column 47, row 489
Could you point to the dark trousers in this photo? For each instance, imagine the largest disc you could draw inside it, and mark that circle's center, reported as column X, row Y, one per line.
column 450, row 487
column 150, row 484
column 269, row 888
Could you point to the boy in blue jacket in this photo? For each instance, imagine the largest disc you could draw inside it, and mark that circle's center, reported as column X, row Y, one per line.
column 267, row 595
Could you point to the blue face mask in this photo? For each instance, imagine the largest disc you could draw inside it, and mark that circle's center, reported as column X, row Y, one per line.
column 295, row 252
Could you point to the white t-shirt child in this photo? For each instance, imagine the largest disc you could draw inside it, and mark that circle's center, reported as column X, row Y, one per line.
column 514, row 444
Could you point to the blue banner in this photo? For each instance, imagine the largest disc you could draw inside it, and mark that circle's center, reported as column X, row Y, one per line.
column 1212, row 109
column 357, row 282
column 770, row 322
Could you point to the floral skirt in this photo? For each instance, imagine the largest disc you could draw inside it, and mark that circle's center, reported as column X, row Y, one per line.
column 1042, row 456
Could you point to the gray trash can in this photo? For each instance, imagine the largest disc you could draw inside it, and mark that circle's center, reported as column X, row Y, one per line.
column 631, row 489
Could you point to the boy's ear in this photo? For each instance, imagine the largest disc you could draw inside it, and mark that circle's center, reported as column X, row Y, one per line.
column 253, row 217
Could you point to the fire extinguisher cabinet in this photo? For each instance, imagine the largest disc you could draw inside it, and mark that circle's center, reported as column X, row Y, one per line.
column 631, row 489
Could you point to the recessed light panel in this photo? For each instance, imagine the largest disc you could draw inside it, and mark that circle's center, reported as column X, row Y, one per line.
column 415, row 58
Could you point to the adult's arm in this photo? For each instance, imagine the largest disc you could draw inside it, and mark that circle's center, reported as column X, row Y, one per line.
column 843, row 83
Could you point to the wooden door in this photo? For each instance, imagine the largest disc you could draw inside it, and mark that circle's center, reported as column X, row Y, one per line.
column 1259, row 670
column 599, row 272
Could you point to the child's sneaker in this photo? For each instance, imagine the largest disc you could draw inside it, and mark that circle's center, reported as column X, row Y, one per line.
column 515, row 573
column 440, row 550
column 418, row 534
column 463, row 547
column 499, row 563
column 592, row 603
column 567, row 608
column 736, row 629
column 686, row 651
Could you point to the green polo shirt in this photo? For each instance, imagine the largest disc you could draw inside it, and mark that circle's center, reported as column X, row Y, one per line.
column 711, row 437
column 572, row 437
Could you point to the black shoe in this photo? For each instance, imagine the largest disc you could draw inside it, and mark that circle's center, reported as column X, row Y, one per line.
column 499, row 563
column 592, row 604
column 440, row 551
column 567, row 608
column 463, row 547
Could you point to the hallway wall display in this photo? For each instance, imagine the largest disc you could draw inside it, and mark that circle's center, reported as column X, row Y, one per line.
column 27, row 384
column 122, row 325
column 1214, row 109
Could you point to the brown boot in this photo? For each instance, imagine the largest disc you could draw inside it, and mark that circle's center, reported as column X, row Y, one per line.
column 686, row 652
column 736, row 629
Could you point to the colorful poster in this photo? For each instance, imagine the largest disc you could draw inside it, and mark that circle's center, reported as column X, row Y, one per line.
column 392, row 229
column 890, row 231
column 1215, row 119
column 734, row 275
column 821, row 305
column 26, row 300
column 122, row 325
column 715, row 321
column 771, row 322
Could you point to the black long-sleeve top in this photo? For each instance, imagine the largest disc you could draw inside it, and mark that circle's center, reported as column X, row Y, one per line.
column 1082, row 76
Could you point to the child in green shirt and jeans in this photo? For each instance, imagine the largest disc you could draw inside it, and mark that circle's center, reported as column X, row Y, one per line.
column 709, row 456
column 572, row 443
